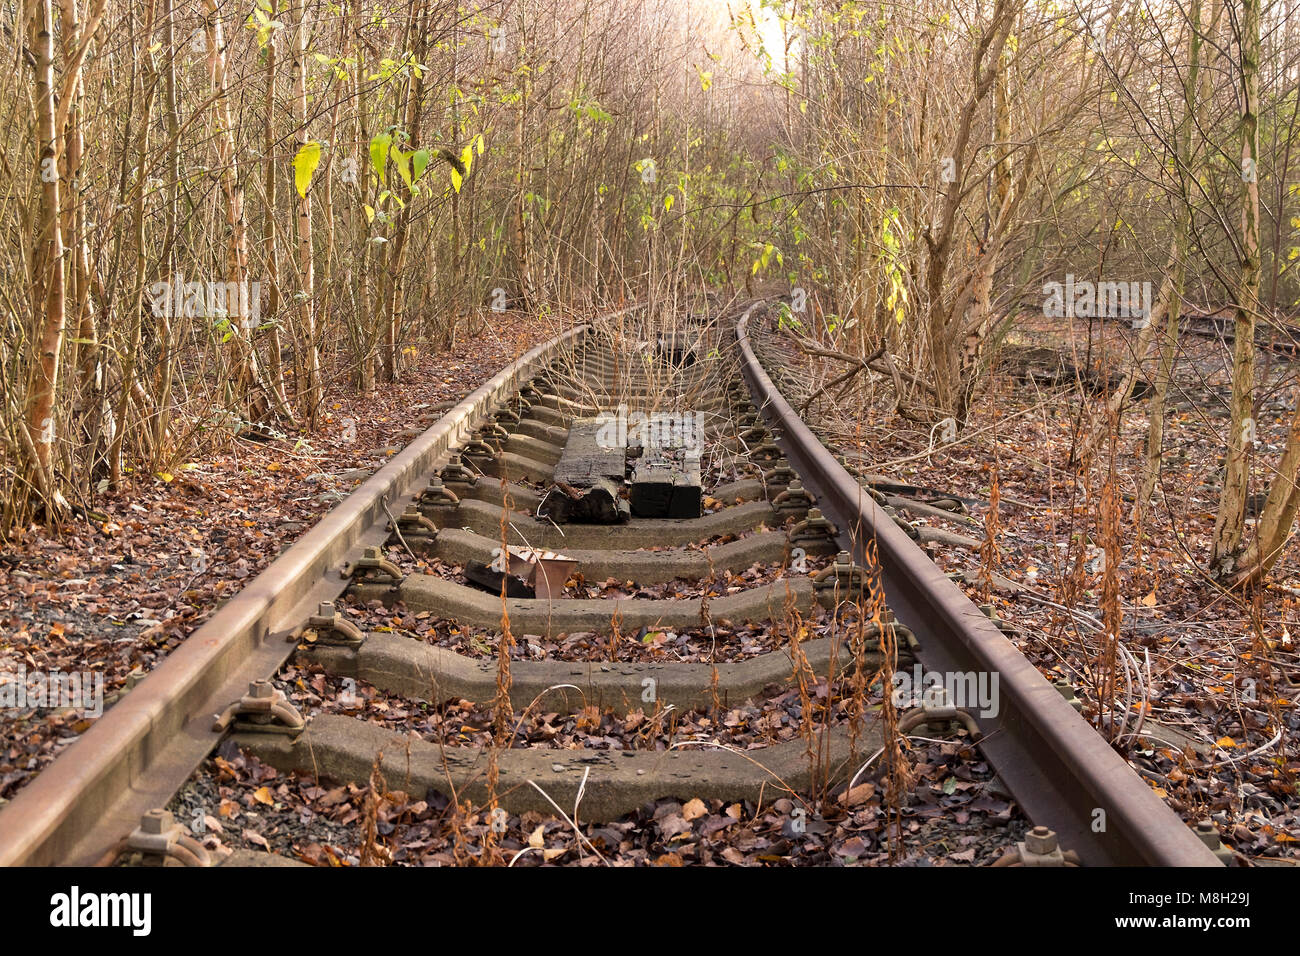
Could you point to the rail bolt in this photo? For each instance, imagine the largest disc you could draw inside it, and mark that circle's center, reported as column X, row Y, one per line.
column 842, row 581
column 1064, row 688
column 331, row 628
column 437, row 501
column 1209, row 835
column 794, row 499
column 260, row 695
column 1040, row 848
column 159, row 837
column 438, row 497
column 484, row 438
column 455, row 472
column 777, row 477
column 814, row 532
column 264, row 708
column 478, row 450
column 937, row 712
column 414, row 521
column 1041, row 841
column 155, row 822
column 372, row 565
column 1206, row 830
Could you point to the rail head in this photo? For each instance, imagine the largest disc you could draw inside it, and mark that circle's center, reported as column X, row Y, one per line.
column 1059, row 770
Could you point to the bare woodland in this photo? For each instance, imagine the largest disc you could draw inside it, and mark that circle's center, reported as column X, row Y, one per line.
column 214, row 211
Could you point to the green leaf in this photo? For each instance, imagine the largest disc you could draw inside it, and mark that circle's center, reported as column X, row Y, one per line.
column 403, row 161
column 304, row 166
column 419, row 162
column 379, row 147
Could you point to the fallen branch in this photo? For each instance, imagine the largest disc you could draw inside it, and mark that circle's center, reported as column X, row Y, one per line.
column 811, row 348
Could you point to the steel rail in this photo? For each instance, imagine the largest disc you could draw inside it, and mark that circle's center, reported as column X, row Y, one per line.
column 145, row 747
column 1056, row 766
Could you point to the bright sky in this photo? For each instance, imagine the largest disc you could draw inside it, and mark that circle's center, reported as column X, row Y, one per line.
column 765, row 15
column 769, row 29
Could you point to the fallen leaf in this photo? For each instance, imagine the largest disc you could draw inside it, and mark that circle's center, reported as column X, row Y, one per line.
column 859, row 794
column 694, row 809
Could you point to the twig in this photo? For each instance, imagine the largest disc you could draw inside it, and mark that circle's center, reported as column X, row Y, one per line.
column 567, row 820
column 397, row 530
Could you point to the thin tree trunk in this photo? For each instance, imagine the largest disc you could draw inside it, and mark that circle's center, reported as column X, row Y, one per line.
column 47, row 291
column 1156, row 411
column 130, row 387
column 163, row 384
column 248, row 381
column 306, row 255
column 395, row 305
column 1171, row 290
column 270, row 234
column 1277, row 519
column 1230, row 522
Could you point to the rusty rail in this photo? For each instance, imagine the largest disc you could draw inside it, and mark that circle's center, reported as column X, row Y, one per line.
column 144, row 748
column 1060, row 771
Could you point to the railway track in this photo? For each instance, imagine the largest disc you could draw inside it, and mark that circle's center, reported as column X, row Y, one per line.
column 1280, row 338
column 449, row 529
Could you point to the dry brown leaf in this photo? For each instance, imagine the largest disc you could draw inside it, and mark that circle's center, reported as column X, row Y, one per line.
column 694, row 809
column 859, row 794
